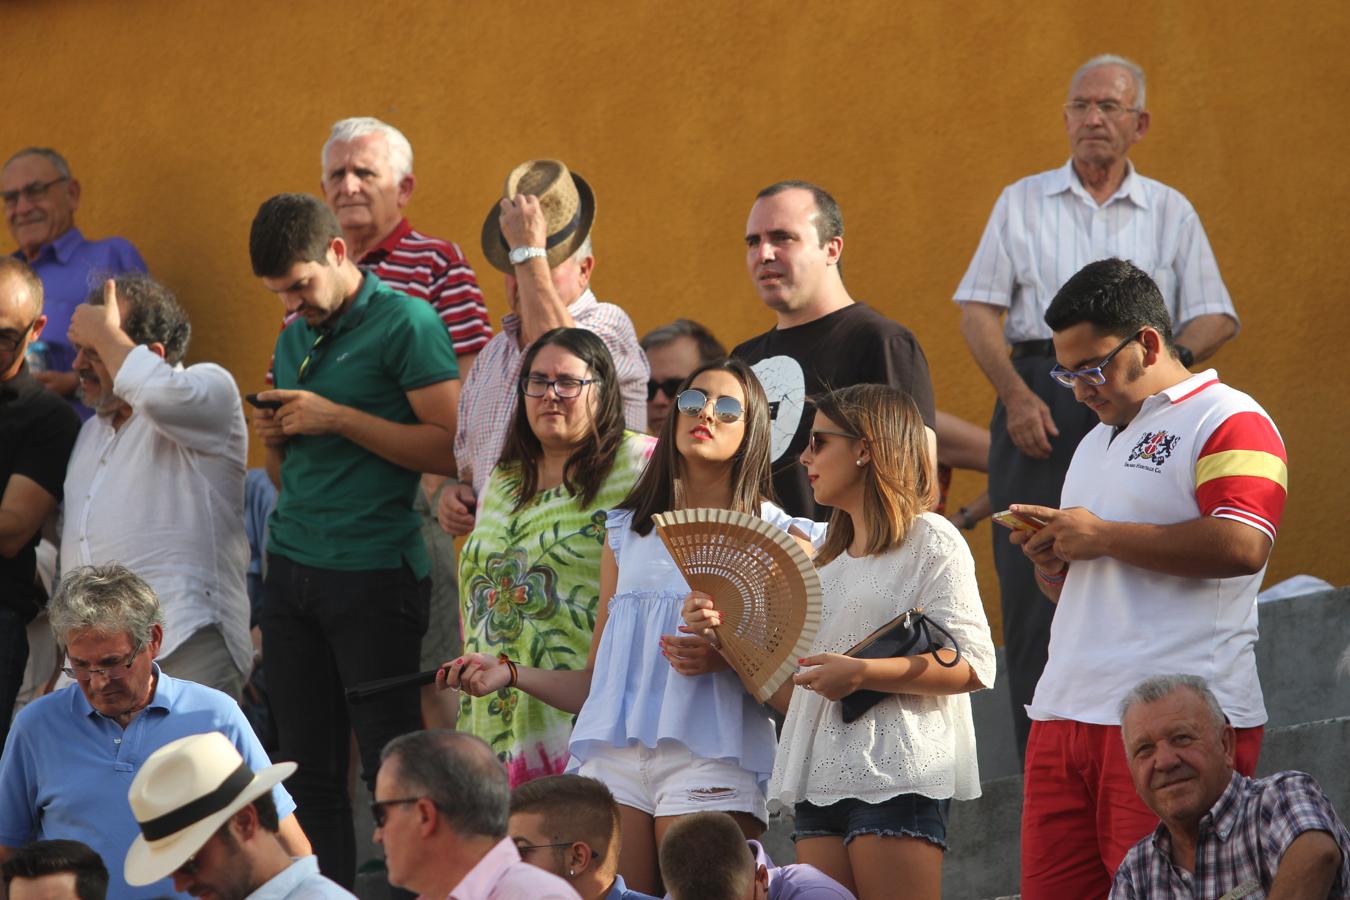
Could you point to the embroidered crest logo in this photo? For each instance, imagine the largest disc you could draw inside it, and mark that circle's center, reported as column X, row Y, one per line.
column 1155, row 447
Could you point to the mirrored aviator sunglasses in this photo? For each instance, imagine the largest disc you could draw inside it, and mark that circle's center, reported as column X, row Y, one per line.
column 693, row 401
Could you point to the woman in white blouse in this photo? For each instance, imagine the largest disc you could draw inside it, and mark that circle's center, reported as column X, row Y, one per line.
column 871, row 796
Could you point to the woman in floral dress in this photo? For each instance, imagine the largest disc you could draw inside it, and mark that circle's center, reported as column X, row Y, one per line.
column 529, row 573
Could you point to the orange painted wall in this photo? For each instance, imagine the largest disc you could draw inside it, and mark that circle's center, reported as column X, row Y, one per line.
column 180, row 118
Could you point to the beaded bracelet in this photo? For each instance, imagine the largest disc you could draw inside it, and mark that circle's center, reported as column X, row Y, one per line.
column 1052, row 579
column 515, row 673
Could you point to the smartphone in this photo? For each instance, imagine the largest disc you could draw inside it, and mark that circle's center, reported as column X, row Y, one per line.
column 262, row 404
column 1019, row 521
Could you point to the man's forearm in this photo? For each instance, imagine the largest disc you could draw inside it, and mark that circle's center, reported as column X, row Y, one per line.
column 275, row 456
column 1207, row 547
column 1203, row 335
column 983, row 331
column 1308, row 868
column 537, row 302
column 421, row 447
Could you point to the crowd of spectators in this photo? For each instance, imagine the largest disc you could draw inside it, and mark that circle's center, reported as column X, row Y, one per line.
column 578, row 731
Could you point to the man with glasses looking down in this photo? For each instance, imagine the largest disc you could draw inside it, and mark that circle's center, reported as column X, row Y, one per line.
column 1170, row 509
column 40, row 198
column 1043, row 229
column 72, row 754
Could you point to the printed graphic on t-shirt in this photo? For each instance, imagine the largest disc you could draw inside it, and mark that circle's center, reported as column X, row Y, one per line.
column 1153, row 448
column 785, row 384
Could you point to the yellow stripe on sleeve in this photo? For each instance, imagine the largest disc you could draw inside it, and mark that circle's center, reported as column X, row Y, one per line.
column 1253, row 463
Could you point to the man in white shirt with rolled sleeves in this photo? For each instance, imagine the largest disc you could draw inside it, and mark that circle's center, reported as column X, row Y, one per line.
column 1044, row 229
column 156, row 480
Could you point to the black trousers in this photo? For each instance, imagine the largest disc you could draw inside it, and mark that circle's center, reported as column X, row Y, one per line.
column 325, row 631
column 1015, row 477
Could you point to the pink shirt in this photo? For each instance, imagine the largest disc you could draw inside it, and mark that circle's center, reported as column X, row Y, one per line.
column 502, row 876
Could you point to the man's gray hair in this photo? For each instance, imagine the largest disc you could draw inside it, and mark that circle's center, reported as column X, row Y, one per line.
column 584, row 250
column 400, row 150
column 1110, row 59
column 457, row 772
column 107, row 600
column 1153, row 689
column 47, row 153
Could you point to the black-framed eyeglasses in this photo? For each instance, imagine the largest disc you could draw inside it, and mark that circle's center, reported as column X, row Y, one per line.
column 523, row 846
column 725, row 409
column 1110, row 109
column 667, row 386
column 311, row 357
column 30, row 192
column 112, row 672
column 1092, row 375
column 10, row 343
column 813, row 440
column 566, row 388
column 379, row 809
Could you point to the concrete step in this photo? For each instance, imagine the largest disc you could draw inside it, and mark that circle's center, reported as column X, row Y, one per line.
column 985, row 834
column 1302, row 640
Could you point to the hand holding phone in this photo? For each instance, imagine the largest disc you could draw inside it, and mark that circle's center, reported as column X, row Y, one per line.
column 254, row 402
column 1019, row 521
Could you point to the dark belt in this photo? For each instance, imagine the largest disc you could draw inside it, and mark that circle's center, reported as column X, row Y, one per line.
column 1023, row 349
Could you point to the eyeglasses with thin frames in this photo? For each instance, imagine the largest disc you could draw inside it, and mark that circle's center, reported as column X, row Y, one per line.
column 523, row 846
column 9, row 344
column 693, row 402
column 1110, row 109
column 30, row 192
column 1092, row 375
column 114, row 672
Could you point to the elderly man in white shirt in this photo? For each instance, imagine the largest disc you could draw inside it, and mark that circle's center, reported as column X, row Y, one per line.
column 156, row 480
column 1045, row 228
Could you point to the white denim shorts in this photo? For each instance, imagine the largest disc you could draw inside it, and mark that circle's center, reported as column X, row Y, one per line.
column 671, row 781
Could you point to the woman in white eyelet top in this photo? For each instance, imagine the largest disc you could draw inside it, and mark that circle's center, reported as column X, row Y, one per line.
column 882, row 556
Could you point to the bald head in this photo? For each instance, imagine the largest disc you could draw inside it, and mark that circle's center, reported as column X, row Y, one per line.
column 20, row 285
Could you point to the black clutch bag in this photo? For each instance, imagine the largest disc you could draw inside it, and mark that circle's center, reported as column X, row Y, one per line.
column 908, row 634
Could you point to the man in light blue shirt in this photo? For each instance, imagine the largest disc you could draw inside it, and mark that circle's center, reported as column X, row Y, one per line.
column 71, row 755
column 208, row 821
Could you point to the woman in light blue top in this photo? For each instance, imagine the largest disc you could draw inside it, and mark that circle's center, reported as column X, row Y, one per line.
column 666, row 744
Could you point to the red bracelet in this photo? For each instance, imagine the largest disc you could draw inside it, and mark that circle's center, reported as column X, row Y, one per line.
column 515, row 673
column 1052, row 579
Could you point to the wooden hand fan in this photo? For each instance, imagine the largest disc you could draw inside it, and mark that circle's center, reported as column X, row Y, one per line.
column 762, row 583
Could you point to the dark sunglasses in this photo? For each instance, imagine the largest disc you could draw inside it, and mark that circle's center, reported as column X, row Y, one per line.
column 669, row 387
column 379, row 810
column 693, row 402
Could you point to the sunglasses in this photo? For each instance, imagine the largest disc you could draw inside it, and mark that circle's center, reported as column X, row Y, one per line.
column 725, row 409
column 814, row 440
column 379, row 810
column 668, row 387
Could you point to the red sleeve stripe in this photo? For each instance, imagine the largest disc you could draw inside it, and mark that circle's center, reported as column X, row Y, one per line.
column 1249, row 430
column 1246, row 518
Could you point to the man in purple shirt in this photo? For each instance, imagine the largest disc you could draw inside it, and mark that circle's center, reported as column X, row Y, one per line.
column 706, row 857
column 441, row 811
column 40, row 198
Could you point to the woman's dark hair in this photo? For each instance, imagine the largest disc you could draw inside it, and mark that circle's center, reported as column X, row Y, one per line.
column 589, row 465
column 751, row 467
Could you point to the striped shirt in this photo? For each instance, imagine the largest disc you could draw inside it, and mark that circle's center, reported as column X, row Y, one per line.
column 1198, row 449
column 1046, row 227
column 1242, row 840
column 433, row 270
column 488, row 398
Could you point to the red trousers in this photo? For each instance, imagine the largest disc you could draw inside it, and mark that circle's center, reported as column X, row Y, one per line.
column 1080, row 811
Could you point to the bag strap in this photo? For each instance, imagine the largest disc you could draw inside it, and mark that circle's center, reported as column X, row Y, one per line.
column 923, row 622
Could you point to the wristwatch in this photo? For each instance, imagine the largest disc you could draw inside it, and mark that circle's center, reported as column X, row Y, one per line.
column 521, row 254
column 967, row 521
column 1185, row 355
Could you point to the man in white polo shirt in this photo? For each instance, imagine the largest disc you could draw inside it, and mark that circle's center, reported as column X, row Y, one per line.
column 1043, row 229
column 1169, row 511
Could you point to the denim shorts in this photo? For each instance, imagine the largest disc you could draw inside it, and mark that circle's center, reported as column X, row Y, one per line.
column 908, row 815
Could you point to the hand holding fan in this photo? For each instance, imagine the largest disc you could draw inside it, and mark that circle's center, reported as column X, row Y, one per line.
column 763, row 583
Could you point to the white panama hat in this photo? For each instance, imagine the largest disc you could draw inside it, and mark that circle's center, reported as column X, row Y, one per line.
column 185, row 791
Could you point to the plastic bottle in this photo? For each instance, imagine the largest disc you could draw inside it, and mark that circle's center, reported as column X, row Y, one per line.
column 37, row 356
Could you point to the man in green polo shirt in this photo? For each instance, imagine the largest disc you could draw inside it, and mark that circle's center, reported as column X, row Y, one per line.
column 368, row 386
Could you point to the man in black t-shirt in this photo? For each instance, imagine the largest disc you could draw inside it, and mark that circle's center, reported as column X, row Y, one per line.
column 824, row 339
column 37, row 432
